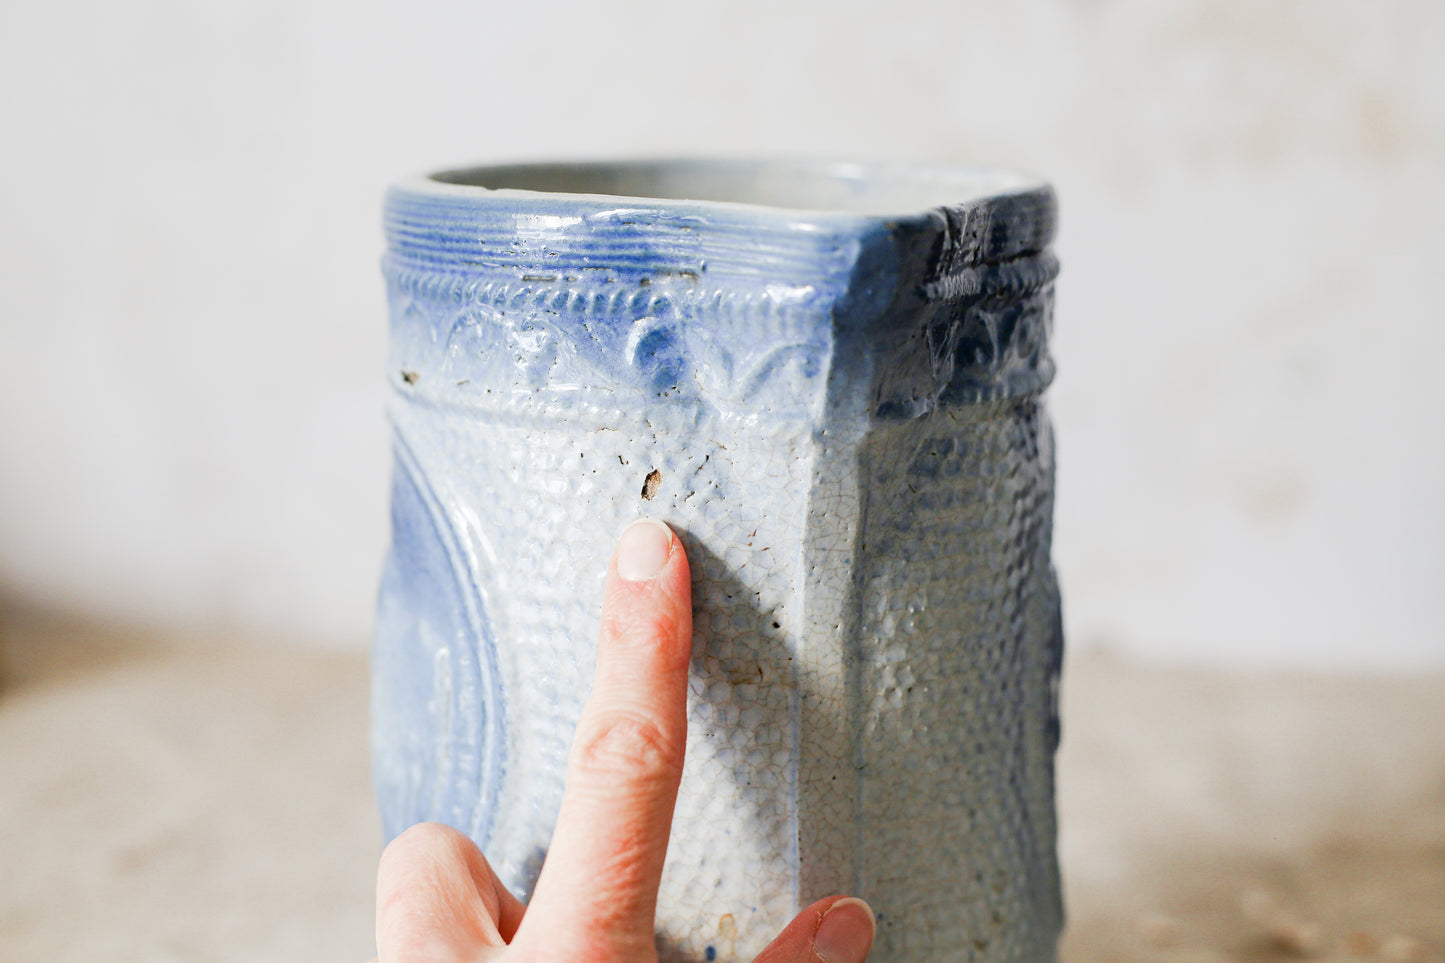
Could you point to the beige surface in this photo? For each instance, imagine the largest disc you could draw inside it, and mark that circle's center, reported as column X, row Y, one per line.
column 211, row 802
column 1252, row 817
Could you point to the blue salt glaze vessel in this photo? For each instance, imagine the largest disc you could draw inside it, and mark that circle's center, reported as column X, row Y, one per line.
column 827, row 379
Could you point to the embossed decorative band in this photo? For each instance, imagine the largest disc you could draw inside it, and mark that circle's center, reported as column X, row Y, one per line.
column 728, row 307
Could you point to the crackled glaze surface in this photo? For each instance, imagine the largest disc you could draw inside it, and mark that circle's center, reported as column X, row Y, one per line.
column 840, row 415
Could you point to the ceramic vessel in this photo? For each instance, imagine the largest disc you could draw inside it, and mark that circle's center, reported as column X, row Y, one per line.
column 826, row 378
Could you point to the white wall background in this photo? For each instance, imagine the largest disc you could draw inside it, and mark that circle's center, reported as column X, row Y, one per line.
column 1250, row 328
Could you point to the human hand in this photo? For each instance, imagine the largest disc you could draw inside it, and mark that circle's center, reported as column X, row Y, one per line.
column 438, row 901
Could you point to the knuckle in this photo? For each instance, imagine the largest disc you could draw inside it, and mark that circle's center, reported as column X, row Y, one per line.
column 402, row 854
column 411, row 862
column 626, row 746
column 426, row 845
column 640, row 627
column 424, row 837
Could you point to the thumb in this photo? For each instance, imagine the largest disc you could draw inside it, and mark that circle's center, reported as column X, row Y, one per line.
column 838, row 929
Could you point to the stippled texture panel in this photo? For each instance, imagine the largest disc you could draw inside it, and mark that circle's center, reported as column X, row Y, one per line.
column 537, row 505
column 955, row 686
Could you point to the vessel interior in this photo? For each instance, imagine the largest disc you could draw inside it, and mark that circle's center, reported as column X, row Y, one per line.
column 815, row 186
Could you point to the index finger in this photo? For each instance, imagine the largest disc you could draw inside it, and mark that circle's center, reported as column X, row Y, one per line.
column 598, row 887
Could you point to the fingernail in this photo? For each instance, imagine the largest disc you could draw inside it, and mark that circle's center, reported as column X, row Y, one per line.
column 846, row 933
column 643, row 549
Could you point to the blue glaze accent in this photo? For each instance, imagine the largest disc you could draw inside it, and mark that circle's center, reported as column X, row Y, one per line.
column 436, row 708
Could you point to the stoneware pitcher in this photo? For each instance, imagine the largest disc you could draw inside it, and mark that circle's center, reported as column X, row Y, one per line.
column 827, row 379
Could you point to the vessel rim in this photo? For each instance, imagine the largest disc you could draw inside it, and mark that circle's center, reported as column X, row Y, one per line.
column 991, row 185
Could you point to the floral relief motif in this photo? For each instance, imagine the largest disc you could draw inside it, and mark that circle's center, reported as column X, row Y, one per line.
column 536, row 348
column 475, row 346
column 730, row 358
column 656, row 352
